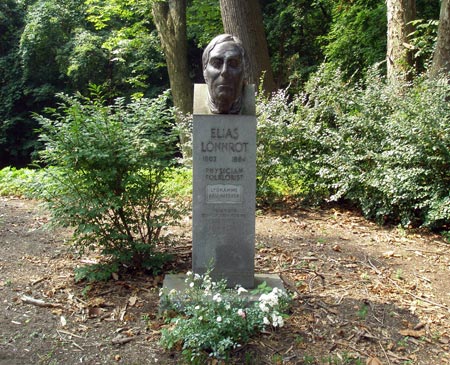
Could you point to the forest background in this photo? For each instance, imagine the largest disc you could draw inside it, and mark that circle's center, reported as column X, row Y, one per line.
column 351, row 121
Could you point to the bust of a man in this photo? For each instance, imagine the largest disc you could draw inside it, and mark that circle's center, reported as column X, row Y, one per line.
column 224, row 70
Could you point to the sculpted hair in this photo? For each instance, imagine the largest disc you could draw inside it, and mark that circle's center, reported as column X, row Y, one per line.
column 222, row 38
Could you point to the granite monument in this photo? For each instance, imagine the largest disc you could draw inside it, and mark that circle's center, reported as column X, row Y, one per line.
column 224, row 163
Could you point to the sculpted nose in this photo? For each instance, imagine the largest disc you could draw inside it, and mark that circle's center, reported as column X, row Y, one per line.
column 224, row 70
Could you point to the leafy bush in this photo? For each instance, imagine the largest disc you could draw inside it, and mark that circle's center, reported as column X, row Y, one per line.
column 383, row 147
column 113, row 162
column 387, row 150
column 281, row 139
column 212, row 320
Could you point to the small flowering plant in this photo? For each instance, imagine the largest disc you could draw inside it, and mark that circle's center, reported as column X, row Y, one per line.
column 212, row 320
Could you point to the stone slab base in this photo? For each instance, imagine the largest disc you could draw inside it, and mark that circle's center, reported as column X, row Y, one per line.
column 177, row 282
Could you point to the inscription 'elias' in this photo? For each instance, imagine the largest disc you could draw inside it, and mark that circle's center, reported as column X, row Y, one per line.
column 224, row 133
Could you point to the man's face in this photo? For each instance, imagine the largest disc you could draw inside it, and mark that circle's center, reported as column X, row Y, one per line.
column 224, row 73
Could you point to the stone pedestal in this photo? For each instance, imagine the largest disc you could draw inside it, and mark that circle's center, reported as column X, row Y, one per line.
column 224, row 191
column 178, row 282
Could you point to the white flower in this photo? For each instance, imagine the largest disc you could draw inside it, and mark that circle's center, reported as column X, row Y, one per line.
column 227, row 306
column 200, row 318
column 196, row 276
column 277, row 320
column 217, row 298
column 207, row 285
column 241, row 290
column 241, row 313
column 189, row 273
column 266, row 321
column 263, row 307
column 197, row 307
column 191, row 284
column 270, row 299
column 172, row 292
column 219, row 319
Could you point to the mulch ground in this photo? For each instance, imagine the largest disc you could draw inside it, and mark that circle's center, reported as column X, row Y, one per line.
column 363, row 294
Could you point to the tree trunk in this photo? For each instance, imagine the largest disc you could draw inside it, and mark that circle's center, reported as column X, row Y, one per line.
column 441, row 57
column 170, row 20
column 399, row 54
column 243, row 19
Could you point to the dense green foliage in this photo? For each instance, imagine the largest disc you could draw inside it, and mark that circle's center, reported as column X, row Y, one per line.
column 204, row 21
column 281, row 139
column 293, row 30
column 357, row 38
column 113, row 162
column 384, row 148
column 52, row 46
column 16, row 134
column 387, row 148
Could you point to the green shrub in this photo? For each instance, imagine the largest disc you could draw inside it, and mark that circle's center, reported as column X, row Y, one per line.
column 381, row 146
column 388, row 151
column 281, row 171
column 113, row 163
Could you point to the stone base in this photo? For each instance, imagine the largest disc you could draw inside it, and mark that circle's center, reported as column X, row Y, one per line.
column 177, row 282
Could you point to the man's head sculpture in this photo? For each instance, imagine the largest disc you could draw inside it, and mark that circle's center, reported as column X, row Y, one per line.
column 225, row 70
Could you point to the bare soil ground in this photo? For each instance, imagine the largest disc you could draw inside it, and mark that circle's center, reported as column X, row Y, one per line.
column 362, row 294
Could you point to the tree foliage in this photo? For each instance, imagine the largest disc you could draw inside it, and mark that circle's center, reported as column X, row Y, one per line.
column 357, row 37
column 294, row 28
column 134, row 61
column 203, row 21
column 14, row 137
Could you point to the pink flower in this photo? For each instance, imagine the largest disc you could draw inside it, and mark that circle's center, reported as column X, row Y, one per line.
column 241, row 313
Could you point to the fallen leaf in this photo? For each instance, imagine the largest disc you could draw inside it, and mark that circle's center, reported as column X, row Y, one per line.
column 121, row 340
column 132, row 300
column 388, row 254
column 115, row 276
column 96, row 302
column 373, row 361
column 337, row 248
column 412, row 333
column 63, row 321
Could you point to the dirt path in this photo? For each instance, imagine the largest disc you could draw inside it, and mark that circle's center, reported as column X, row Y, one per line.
column 361, row 291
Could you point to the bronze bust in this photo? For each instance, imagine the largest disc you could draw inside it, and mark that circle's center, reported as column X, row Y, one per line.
column 224, row 70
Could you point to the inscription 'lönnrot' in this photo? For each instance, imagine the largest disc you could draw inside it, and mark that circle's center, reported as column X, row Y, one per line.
column 224, row 147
